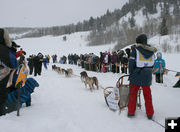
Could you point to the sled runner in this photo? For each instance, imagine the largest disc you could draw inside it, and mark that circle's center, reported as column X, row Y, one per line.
column 116, row 98
column 177, row 85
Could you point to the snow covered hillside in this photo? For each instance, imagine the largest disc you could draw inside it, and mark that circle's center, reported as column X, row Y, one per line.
column 76, row 43
column 63, row 104
column 140, row 18
column 167, row 43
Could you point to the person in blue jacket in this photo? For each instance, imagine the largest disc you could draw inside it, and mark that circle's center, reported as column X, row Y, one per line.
column 12, row 55
column 45, row 61
column 141, row 63
column 159, row 68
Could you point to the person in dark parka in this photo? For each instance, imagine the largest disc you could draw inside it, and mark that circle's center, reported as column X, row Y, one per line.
column 30, row 64
column 38, row 64
column 140, row 68
column 5, row 44
column 124, row 63
column 128, row 52
column 114, row 61
column 101, row 61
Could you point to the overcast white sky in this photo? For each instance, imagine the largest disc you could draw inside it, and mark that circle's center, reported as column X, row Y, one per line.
column 36, row 13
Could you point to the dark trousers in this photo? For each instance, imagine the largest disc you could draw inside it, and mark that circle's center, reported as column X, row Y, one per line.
column 37, row 69
column 159, row 77
column 30, row 70
column 3, row 95
column 100, row 67
column 124, row 68
column 93, row 67
column 115, row 69
column 82, row 64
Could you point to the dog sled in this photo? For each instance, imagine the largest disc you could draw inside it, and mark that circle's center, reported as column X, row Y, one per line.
column 117, row 97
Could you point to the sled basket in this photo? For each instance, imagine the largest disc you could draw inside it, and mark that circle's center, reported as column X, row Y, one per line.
column 117, row 97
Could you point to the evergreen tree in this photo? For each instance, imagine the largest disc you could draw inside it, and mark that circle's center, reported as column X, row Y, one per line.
column 132, row 22
column 176, row 11
column 163, row 27
column 91, row 23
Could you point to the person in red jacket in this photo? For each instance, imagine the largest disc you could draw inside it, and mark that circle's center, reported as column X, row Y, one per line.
column 15, row 46
column 19, row 53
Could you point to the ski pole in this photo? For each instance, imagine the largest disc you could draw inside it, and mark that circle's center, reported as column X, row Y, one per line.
column 161, row 74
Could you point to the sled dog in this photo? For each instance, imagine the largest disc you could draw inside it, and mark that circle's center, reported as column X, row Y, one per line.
column 59, row 70
column 68, row 72
column 83, row 76
column 91, row 81
column 54, row 67
column 63, row 71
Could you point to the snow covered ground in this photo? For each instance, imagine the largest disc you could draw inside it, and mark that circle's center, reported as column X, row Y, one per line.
column 63, row 104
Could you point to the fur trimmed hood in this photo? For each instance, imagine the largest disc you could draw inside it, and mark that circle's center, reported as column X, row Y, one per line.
column 147, row 47
column 146, row 50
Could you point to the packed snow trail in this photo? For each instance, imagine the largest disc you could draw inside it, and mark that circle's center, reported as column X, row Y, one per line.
column 64, row 104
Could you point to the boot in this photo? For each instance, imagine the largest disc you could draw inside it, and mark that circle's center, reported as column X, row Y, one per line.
column 130, row 115
column 149, row 117
column 2, row 109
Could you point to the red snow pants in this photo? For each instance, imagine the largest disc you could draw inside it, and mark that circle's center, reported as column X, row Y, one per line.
column 133, row 98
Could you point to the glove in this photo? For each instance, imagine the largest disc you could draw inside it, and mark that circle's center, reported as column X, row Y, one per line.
column 24, row 52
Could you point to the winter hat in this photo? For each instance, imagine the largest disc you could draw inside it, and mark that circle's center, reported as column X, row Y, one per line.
column 141, row 39
column 15, row 45
column 159, row 53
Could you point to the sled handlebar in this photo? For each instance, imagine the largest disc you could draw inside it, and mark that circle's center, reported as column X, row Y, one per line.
column 118, row 84
column 122, row 77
